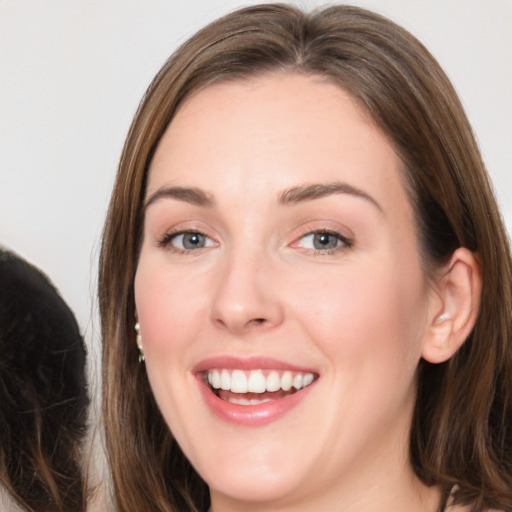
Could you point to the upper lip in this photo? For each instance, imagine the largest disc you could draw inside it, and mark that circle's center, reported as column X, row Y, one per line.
column 247, row 363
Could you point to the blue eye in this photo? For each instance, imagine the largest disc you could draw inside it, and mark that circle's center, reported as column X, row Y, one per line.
column 186, row 241
column 323, row 241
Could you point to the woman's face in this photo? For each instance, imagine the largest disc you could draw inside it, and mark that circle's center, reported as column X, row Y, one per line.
column 279, row 252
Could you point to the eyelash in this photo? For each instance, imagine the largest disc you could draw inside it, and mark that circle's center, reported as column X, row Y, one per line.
column 166, row 241
column 344, row 243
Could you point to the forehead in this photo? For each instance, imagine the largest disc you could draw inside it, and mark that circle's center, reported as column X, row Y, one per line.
column 275, row 132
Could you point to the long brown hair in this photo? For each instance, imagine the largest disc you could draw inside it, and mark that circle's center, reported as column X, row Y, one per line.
column 462, row 428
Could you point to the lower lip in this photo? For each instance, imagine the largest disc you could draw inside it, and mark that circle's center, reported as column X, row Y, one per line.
column 251, row 415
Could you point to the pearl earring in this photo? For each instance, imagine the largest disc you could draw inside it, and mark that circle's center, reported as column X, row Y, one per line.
column 139, row 342
column 441, row 318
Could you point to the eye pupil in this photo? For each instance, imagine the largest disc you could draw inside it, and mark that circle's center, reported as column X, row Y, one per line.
column 193, row 240
column 324, row 241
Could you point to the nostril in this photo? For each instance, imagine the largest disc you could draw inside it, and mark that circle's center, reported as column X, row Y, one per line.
column 220, row 322
column 242, row 325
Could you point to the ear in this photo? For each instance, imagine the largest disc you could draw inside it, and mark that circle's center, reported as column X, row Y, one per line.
column 457, row 299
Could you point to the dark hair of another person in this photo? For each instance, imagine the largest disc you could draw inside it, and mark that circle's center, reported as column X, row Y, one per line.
column 43, row 395
column 461, row 436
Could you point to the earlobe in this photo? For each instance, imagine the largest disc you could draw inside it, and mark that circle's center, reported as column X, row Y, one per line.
column 459, row 288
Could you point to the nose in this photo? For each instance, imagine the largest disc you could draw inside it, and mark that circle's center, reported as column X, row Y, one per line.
column 246, row 298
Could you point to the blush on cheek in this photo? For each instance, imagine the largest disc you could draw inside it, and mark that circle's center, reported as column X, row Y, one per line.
column 365, row 317
column 168, row 321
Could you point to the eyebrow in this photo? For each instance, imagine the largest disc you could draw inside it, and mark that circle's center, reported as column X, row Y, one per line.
column 309, row 192
column 290, row 196
column 191, row 195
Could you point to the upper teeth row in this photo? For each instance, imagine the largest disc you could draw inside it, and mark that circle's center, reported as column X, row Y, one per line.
column 255, row 381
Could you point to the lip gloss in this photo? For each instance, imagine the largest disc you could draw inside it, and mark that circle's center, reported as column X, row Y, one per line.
column 248, row 363
column 248, row 415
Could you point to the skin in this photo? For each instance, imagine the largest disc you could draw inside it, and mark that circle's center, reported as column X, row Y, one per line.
column 360, row 316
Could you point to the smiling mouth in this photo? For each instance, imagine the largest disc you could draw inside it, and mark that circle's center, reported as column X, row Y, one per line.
column 254, row 387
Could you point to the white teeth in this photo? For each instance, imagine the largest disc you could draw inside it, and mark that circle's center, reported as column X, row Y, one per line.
column 307, row 380
column 244, row 401
column 257, row 382
column 255, row 401
column 225, row 380
column 254, row 381
column 238, row 382
column 287, row 381
column 273, row 381
column 214, row 379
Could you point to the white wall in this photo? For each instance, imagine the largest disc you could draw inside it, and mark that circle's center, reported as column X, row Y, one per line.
column 72, row 73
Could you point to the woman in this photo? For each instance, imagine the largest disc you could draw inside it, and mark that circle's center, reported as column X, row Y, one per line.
column 304, row 247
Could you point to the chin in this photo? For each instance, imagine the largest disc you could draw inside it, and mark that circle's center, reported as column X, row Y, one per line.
column 256, row 485
column 252, row 468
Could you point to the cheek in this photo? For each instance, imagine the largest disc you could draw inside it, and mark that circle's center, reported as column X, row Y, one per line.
column 372, row 316
column 169, row 306
column 168, row 310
